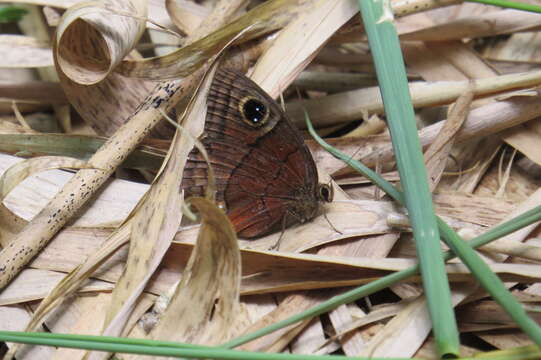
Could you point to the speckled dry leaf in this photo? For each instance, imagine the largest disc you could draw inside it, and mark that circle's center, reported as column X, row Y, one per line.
column 299, row 41
column 21, row 51
column 205, row 306
column 265, row 18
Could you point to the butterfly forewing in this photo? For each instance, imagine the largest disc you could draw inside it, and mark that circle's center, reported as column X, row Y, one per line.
column 264, row 173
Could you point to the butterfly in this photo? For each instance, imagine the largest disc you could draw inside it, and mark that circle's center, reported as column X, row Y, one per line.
column 265, row 174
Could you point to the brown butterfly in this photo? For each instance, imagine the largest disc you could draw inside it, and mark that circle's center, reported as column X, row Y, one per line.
column 265, row 175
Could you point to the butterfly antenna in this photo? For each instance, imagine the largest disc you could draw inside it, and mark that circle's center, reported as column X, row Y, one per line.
column 331, row 224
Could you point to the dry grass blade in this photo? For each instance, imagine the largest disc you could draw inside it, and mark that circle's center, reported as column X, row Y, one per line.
column 489, row 24
column 274, row 71
column 205, row 307
column 107, row 50
column 437, row 153
column 406, row 332
column 501, row 115
column 73, row 281
column 11, row 223
column 156, row 220
column 263, row 19
column 24, row 52
column 350, row 218
column 352, row 105
column 21, row 170
column 187, row 16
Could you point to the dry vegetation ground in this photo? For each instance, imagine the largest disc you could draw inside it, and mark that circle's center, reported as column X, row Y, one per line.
column 89, row 82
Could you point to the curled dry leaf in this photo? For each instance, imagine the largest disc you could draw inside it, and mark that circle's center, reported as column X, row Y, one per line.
column 85, row 183
column 94, row 37
column 205, row 306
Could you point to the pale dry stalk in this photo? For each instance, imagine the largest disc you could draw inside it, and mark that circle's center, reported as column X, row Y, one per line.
column 86, row 182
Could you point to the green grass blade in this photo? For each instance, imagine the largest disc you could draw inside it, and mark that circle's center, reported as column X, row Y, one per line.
column 385, row 47
column 510, row 5
column 11, row 13
column 157, row 348
column 77, row 146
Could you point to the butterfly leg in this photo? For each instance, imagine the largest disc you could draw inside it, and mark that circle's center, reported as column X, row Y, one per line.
column 276, row 245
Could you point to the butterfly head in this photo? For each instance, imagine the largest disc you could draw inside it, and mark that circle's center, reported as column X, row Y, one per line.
column 306, row 207
column 325, row 192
